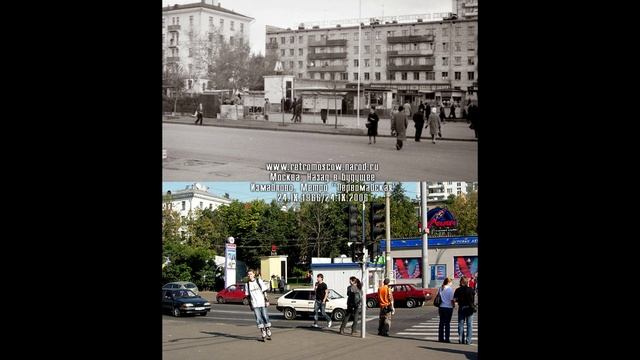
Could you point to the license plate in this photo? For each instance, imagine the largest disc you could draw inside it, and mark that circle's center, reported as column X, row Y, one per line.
column 199, row 308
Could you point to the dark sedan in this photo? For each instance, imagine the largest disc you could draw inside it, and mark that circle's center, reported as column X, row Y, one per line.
column 183, row 301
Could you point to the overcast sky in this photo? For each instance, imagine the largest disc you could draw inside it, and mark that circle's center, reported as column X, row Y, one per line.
column 289, row 13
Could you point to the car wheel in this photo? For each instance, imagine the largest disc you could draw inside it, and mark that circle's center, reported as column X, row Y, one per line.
column 289, row 313
column 220, row 300
column 371, row 303
column 411, row 303
column 338, row 314
column 245, row 301
column 176, row 312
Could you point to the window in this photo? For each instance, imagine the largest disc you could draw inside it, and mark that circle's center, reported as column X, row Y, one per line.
column 377, row 35
column 299, row 75
column 471, row 46
column 458, row 60
column 273, row 40
column 470, row 31
column 389, row 47
column 471, row 75
column 457, row 75
column 366, row 63
column 445, row 75
column 231, row 40
column 282, row 40
column 221, row 24
column 231, row 26
column 366, row 35
column 378, row 62
column 416, row 75
column 391, row 33
column 241, row 28
column 366, row 76
column 290, row 52
column 392, row 76
column 300, row 52
column 312, row 37
column 445, row 32
column 355, row 76
column 471, row 60
column 345, row 76
column 355, row 49
column 221, row 38
column 184, row 205
column 201, row 205
column 282, row 52
column 458, row 47
column 378, row 49
column 191, row 20
column 292, row 39
column 367, row 49
column 355, row 36
column 430, row 75
column 449, row 191
column 404, row 76
column 355, row 62
column 445, row 61
column 459, row 184
column 300, row 65
column 445, row 46
column 405, row 32
column 377, row 75
column 291, row 65
column 458, row 30
column 300, row 39
column 210, row 20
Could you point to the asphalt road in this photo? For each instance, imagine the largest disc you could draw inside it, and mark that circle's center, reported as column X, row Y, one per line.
column 203, row 153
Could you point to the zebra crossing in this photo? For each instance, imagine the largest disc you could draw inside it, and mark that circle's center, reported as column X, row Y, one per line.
column 429, row 330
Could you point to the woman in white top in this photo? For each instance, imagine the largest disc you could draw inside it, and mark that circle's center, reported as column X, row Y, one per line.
column 445, row 311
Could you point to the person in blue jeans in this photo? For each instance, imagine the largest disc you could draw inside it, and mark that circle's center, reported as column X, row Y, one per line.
column 445, row 310
column 259, row 304
column 464, row 296
column 322, row 294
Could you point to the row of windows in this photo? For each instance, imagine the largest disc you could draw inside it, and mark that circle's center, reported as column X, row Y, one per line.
column 377, row 34
column 471, row 60
column 429, row 75
column 175, row 20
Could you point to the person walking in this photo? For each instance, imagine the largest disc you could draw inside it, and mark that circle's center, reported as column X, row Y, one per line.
column 407, row 109
column 259, row 303
column 418, row 119
column 354, row 305
column 372, row 124
column 399, row 127
column 266, row 109
column 199, row 114
column 445, row 310
column 452, row 112
column 433, row 122
column 385, row 299
column 464, row 296
column 322, row 293
column 442, row 115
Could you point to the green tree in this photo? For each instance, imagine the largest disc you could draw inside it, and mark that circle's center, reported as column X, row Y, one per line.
column 404, row 214
column 465, row 209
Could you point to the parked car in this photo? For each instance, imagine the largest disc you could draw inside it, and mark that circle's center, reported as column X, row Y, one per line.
column 234, row 293
column 300, row 301
column 181, row 285
column 183, row 301
column 406, row 294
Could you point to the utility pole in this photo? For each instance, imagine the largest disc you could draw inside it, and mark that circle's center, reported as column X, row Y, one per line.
column 359, row 60
column 365, row 285
column 387, row 226
column 423, row 211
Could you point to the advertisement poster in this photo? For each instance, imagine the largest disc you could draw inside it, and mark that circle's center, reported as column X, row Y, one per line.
column 465, row 266
column 407, row 268
column 438, row 272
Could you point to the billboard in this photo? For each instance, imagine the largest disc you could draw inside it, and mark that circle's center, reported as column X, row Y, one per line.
column 465, row 266
column 407, row 268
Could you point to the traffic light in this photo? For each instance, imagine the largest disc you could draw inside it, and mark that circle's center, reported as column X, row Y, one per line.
column 357, row 247
column 376, row 216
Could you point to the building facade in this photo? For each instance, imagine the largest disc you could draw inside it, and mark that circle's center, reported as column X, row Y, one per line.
column 192, row 32
column 418, row 60
column 193, row 197
column 440, row 191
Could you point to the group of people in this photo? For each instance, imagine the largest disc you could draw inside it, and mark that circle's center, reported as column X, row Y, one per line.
column 276, row 283
column 464, row 296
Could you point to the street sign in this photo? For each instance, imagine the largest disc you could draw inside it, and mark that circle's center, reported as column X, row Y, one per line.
column 278, row 66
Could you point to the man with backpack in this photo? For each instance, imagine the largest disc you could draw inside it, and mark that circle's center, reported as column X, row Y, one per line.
column 258, row 302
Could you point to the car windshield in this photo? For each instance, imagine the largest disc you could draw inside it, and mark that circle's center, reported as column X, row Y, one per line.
column 184, row 293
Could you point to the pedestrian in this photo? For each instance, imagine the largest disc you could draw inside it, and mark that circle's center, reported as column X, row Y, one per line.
column 273, row 284
column 407, row 109
column 199, row 114
column 418, row 119
column 372, row 124
column 452, row 112
column 433, row 122
column 474, row 116
column 354, row 305
column 445, row 310
column 298, row 110
column 259, row 303
column 464, row 296
column 288, row 104
column 385, row 300
column 322, row 294
column 442, row 115
column 292, row 106
column 427, row 111
column 399, row 126
column 280, row 285
column 266, row 109
column 421, row 107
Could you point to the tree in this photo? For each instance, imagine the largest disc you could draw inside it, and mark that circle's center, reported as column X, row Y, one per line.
column 174, row 79
column 230, row 68
column 404, row 215
column 465, row 209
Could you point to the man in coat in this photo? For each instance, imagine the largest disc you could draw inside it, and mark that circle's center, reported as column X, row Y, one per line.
column 399, row 127
column 418, row 119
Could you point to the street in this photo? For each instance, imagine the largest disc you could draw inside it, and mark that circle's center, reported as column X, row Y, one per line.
column 204, row 153
column 229, row 331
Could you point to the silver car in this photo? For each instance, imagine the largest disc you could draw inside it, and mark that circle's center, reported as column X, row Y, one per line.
column 177, row 285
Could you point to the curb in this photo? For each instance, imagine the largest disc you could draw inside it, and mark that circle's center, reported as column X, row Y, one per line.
column 351, row 132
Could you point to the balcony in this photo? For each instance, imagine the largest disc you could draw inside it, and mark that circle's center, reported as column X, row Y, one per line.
column 421, row 52
column 410, row 39
column 171, row 59
column 272, row 45
column 173, row 28
column 428, row 67
column 173, row 44
column 325, row 56
column 331, row 68
column 325, row 42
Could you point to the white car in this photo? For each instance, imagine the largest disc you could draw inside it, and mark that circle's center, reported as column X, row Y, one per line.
column 300, row 301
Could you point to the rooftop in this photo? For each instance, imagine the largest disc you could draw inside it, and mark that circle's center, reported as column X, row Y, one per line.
column 202, row 5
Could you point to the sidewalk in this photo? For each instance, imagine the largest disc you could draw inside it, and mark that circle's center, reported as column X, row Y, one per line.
column 346, row 125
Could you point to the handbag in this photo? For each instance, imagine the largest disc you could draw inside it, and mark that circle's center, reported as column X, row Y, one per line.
column 438, row 300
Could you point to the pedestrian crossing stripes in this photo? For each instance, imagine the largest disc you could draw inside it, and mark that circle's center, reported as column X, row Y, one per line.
column 429, row 330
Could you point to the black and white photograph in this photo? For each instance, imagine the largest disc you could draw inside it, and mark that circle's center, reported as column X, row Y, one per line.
column 246, row 83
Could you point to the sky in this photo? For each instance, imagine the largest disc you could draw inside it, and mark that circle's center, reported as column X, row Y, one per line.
column 290, row 13
column 241, row 190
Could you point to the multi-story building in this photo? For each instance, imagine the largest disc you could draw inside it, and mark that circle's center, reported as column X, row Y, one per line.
column 192, row 32
column 440, row 191
column 194, row 196
column 466, row 9
column 416, row 60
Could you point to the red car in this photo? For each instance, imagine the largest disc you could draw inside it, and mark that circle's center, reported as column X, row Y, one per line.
column 406, row 294
column 233, row 293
